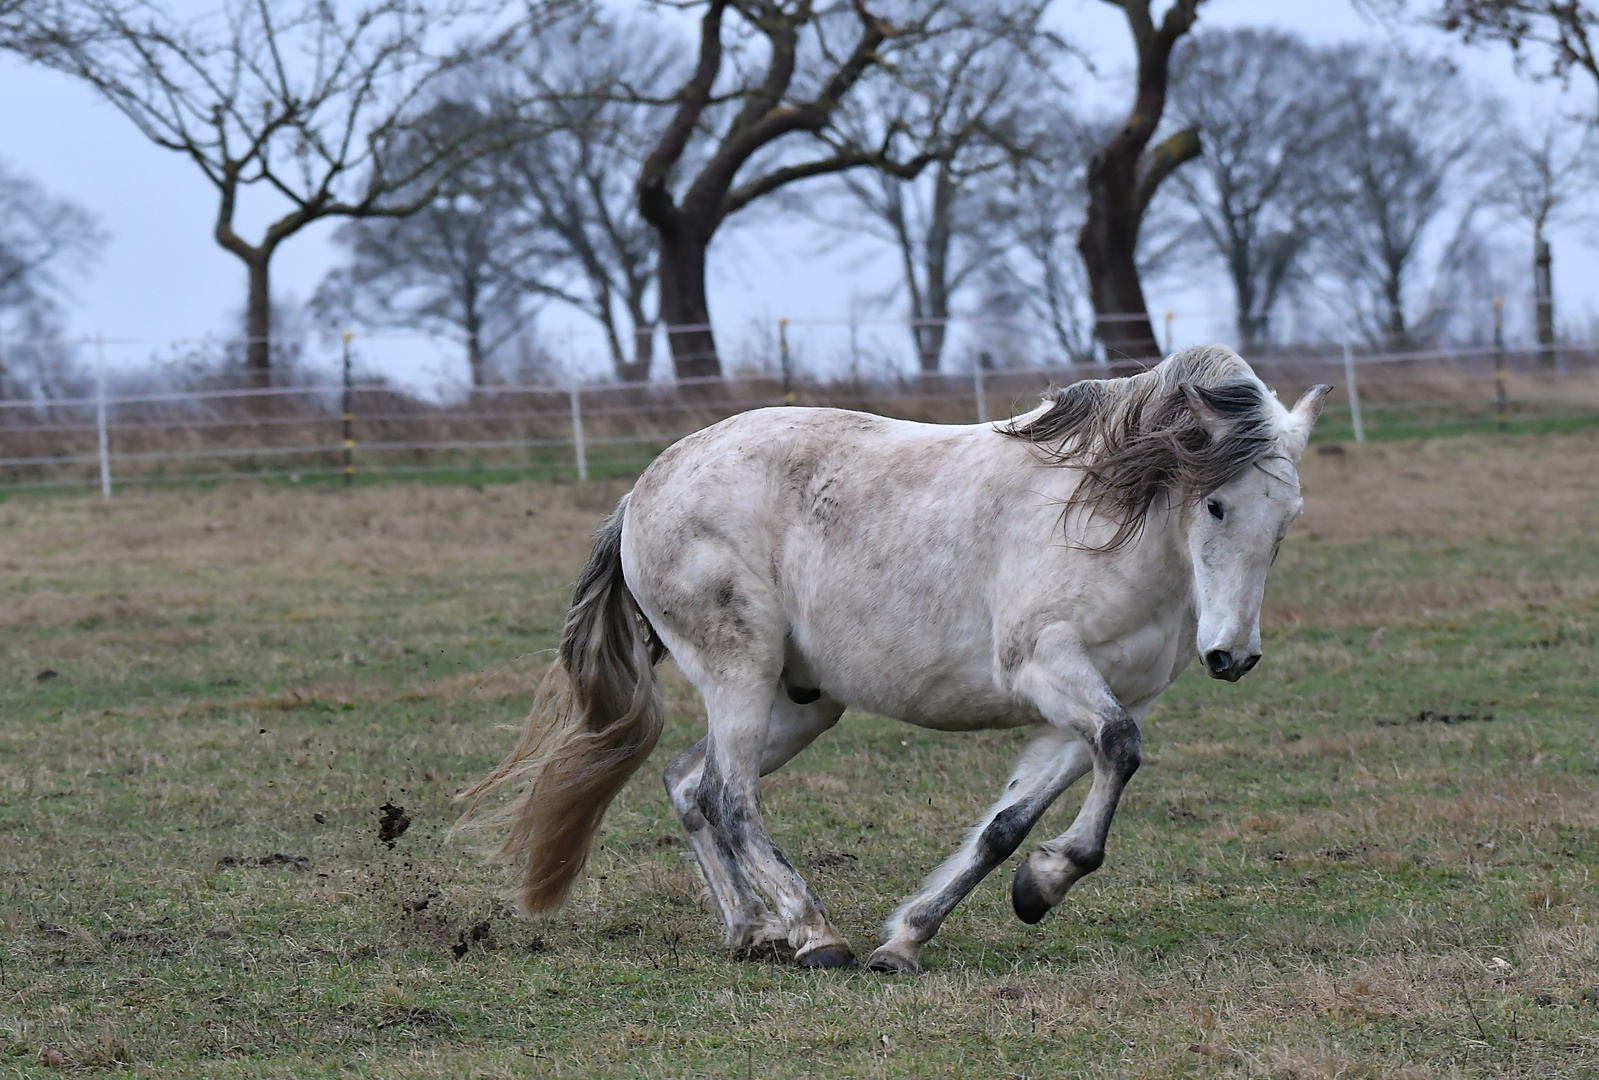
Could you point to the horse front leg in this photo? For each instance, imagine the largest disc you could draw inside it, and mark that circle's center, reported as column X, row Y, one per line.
column 1065, row 686
column 1051, row 763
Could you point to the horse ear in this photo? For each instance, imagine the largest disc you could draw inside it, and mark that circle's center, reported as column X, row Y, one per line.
column 1209, row 419
column 1302, row 417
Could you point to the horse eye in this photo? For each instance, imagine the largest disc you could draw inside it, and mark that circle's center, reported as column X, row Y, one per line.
column 1215, row 509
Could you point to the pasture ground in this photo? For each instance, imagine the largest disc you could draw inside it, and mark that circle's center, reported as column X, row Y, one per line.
column 1372, row 858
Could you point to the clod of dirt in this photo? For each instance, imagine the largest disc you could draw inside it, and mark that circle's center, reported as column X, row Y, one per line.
column 1011, row 993
column 1344, row 854
column 393, row 823
column 46, row 675
column 320, row 819
column 51, row 1058
column 834, row 858
column 416, row 907
column 1429, row 716
column 479, row 934
column 277, row 858
column 422, row 1017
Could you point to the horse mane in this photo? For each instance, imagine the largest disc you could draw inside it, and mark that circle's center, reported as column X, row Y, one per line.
column 1138, row 437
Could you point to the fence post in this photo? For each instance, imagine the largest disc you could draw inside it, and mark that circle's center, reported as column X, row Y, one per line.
column 1354, row 393
column 1501, row 398
column 977, row 386
column 99, row 416
column 788, row 366
column 349, row 417
column 575, row 391
column 1170, row 318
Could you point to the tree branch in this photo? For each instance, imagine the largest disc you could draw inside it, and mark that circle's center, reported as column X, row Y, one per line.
column 1160, row 161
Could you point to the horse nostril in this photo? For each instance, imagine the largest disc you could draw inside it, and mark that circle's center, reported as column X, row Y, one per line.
column 1217, row 661
column 1249, row 664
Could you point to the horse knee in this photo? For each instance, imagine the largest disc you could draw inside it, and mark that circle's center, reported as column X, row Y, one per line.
column 1121, row 746
column 1004, row 834
column 682, row 785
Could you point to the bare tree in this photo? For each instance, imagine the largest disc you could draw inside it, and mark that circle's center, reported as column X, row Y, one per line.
column 1565, row 30
column 42, row 240
column 459, row 264
column 1411, row 124
column 309, row 101
column 770, row 99
column 40, row 237
column 1264, row 186
column 1124, row 176
column 1041, row 215
column 576, row 174
column 1540, row 182
column 947, row 223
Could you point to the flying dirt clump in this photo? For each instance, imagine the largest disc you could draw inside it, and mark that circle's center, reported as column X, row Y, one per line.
column 393, row 823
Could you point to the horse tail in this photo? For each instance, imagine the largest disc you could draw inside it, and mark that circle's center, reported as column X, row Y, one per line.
column 595, row 718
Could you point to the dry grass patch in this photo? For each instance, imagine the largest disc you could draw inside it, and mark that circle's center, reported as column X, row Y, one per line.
column 1325, row 871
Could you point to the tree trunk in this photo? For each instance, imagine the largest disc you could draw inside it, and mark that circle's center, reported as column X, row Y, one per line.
column 643, row 346
column 940, row 233
column 684, row 309
column 1123, row 178
column 1543, row 298
column 1108, row 242
column 474, row 356
column 1249, row 325
column 258, row 323
column 1394, row 327
column 472, row 323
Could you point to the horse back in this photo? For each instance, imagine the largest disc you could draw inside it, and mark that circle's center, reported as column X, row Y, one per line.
column 873, row 549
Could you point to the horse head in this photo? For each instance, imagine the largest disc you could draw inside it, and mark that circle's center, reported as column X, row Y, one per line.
column 1233, row 530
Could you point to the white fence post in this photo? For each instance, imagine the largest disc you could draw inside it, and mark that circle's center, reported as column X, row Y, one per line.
column 99, row 416
column 977, row 386
column 1354, row 393
column 577, row 431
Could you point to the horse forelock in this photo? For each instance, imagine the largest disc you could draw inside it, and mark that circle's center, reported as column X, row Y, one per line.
column 1142, row 436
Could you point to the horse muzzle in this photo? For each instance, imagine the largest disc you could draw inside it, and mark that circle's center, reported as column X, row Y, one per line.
column 1230, row 666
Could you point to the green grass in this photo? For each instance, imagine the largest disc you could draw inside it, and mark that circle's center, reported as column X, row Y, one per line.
column 1306, row 880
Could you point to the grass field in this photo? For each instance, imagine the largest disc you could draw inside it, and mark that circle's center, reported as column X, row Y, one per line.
column 1374, row 857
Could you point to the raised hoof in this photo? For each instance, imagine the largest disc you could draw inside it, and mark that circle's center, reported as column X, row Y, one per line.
column 829, row 956
column 1026, row 897
column 892, row 963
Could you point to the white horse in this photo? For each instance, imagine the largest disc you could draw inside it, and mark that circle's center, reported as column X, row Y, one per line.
column 1056, row 571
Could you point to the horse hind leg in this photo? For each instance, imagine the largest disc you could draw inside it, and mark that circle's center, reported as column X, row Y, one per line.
column 1052, row 762
column 746, row 921
column 739, row 714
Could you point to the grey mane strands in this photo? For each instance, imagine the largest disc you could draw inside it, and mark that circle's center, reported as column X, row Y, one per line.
column 1138, row 437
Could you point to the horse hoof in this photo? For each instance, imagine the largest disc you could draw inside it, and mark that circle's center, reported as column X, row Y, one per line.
column 892, row 963
column 829, row 956
column 1026, row 897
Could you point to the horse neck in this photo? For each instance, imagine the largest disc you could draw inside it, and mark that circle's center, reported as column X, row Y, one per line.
column 1161, row 550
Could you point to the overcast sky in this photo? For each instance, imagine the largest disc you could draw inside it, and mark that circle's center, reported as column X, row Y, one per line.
column 162, row 277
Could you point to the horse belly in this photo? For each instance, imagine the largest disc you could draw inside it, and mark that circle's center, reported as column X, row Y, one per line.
column 911, row 672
